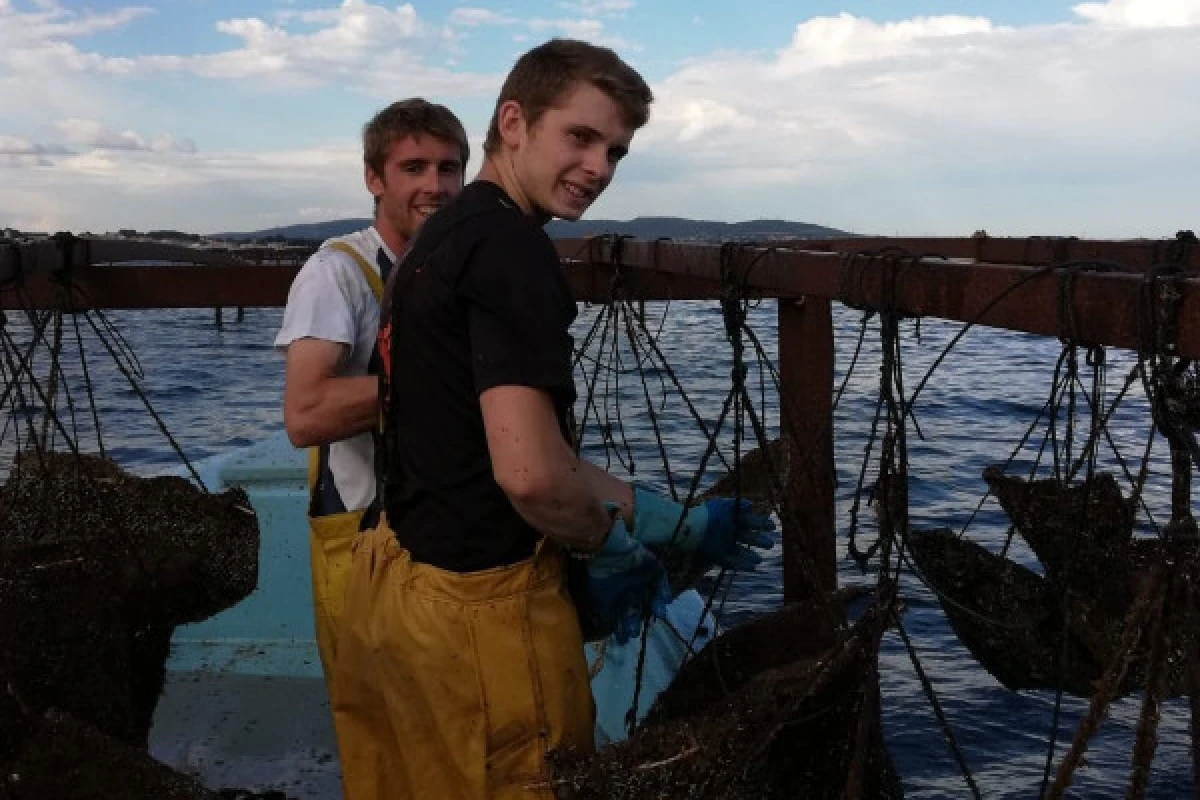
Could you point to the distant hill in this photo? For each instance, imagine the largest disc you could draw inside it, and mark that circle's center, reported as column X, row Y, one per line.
column 683, row 229
column 677, row 228
column 308, row 232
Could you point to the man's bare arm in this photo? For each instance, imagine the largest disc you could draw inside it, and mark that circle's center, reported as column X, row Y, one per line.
column 609, row 489
column 318, row 406
column 548, row 486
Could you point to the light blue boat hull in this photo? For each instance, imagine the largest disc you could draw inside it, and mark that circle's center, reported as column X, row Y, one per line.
column 245, row 705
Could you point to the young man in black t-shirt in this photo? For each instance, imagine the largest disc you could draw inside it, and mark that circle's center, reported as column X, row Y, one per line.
column 462, row 661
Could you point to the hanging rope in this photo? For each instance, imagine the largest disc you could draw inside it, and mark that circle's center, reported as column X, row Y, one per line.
column 1058, row 440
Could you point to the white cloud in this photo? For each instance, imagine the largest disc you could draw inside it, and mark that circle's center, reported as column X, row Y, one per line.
column 52, row 21
column 36, row 43
column 941, row 124
column 578, row 28
column 17, row 146
column 97, row 163
column 45, row 76
column 593, row 7
column 377, row 49
column 88, row 133
column 352, row 20
column 934, row 125
column 472, row 17
column 356, row 45
column 701, row 116
column 18, row 152
column 89, row 148
column 589, row 30
column 585, row 26
column 202, row 192
column 834, row 41
column 166, row 143
column 18, row 160
column 1142, row 13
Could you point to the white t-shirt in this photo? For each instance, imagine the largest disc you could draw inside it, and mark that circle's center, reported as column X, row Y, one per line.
column 330, row 299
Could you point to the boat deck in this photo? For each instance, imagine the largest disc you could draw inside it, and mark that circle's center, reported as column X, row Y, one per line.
column 257, row 732
column 244, row 704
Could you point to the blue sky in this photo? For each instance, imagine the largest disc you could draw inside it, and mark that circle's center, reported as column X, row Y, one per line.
column 882, row 116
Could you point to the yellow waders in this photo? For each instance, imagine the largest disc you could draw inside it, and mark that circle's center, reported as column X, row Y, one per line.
column 331, row 535
column 453, row 686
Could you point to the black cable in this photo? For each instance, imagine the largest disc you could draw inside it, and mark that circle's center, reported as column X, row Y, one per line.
column 939, row 713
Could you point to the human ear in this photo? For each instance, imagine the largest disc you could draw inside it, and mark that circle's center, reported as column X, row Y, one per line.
column 374, row 181
column 510, row 121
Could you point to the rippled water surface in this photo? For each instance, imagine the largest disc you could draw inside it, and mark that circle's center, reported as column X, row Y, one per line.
column 216, row 389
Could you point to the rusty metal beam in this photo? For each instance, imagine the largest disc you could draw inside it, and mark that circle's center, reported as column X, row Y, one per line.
column 809, row 521
column 23, row 258
column 597, row 283
column 1103, row 307
column 252, row 285
column 1036, row 251
column 152, row 287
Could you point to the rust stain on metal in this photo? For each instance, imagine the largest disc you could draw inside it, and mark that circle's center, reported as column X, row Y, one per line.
column 806, row 404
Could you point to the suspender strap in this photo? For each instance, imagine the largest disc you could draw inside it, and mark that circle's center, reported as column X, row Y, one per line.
column 372, row 277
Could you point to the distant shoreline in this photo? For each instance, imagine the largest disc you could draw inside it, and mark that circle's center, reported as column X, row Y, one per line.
column 675, row 228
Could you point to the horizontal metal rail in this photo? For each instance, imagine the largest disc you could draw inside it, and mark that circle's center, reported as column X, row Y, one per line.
column 1035, row 251
column 67, row 252
column 176, row 286
column 1100, row 308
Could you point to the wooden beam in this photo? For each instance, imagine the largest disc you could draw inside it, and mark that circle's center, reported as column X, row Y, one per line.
column 1035, row 251
column 598, row 283
column 809, row 519
column 23, row 258
column 188, row 286
column 1102, row 307
column 151, row 287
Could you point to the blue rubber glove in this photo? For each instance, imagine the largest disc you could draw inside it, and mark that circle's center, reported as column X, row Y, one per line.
column 718, row 530
column 624, row 581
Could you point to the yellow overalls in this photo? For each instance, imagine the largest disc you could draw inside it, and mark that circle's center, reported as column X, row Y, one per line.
column 330, row 536
column 452, row 686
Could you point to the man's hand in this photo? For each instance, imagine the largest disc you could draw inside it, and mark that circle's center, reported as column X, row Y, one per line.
column 625, row 581
column 720, row 530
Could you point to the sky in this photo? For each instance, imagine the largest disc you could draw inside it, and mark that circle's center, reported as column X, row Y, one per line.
column 890, row 117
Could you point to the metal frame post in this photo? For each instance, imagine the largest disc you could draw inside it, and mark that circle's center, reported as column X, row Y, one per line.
column 806, row 357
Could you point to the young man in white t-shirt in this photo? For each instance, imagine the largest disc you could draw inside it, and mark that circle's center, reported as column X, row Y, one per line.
column 414, row 153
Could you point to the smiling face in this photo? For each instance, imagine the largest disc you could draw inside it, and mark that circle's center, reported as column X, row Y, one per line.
column 566, row 158
column 420, row 174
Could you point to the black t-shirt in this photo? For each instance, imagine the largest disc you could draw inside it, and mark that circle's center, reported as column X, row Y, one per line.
column 480, row 301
